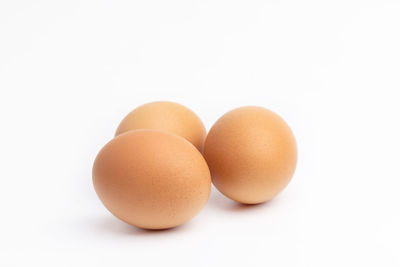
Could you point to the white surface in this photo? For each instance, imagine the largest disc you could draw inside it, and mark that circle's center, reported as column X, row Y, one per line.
column 70, row 70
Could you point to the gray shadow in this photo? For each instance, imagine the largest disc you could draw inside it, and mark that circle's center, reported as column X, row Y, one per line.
column 219, row 201
column 115, row 226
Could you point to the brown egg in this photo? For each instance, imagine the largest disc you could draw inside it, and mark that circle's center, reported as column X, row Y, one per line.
column 166, row 116
column 151, row 179
column 251, row 153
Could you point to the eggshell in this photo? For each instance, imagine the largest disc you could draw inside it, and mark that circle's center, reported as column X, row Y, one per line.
column 167, row 116
column 151, row 179
column 251, row 153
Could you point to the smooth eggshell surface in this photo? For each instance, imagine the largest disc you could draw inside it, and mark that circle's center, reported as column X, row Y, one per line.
column 151, row 179
column 166, row 116
column 251, row 153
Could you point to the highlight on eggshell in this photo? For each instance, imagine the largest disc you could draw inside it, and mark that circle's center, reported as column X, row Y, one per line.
column 166, row 116
column 251, row 153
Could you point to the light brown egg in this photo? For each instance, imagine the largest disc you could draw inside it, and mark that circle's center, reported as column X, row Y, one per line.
column 166, row 116
column 251, row 153
column 151, row 179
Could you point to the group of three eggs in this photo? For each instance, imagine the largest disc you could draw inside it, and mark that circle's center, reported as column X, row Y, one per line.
column 157, row 171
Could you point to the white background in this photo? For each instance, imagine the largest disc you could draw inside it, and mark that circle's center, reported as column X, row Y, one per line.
column 70, row 71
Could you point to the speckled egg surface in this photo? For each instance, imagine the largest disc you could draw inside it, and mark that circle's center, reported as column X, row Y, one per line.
column 151, row 179
column 252, row 154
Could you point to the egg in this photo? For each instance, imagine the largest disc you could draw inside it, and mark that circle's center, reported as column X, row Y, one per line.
column 251, row 153
column 151, row 179
column 166, row 116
